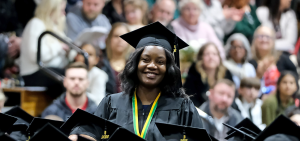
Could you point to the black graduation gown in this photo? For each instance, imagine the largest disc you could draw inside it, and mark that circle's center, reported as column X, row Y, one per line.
column 118, row 109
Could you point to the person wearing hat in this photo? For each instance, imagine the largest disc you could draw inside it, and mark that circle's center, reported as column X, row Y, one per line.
column 151, row 85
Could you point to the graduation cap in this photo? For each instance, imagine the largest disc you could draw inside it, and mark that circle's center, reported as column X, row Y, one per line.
column 120, row 133
column 173, row 132
column 19, row 113
column 242, row 134
column 80, row 117
column 248, row 124
column 17, row 127
column 49, row 133
column 155, row 34
column 281, row 125
column 5, row 125
column 38, row 123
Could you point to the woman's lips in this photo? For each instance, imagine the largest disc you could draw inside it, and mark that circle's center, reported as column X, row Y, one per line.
column 150, row 75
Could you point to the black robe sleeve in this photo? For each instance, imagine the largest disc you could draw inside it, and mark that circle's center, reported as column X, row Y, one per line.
column 189, row 115
column 89, row 128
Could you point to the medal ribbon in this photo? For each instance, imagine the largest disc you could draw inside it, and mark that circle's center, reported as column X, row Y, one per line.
column 136, row 117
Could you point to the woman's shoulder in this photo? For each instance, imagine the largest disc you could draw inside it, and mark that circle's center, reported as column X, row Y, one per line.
column 36, row 23
column 270, row 101
column 289, row 14
column 262, row 13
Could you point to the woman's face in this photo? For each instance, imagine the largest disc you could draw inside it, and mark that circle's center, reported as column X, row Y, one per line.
column 237, row 51
column 264, row 40
column 133, row 15
column 152, row 66
column 287, row 86
column 117, row 44
column 211, row 59
column 285, row 4
column 190, row 13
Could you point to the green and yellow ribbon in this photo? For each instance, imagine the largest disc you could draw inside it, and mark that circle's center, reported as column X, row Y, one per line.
column 136, row 117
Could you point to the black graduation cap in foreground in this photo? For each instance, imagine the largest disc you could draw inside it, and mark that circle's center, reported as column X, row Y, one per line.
column 6, row 122
column 17, row 127
column 38, row 123
column 281, row 125
column 173, row 132
column 248, row 124
column 82, row 118
column 120, row 133
column 49, row 133
column 19, row 113
column 155, row 34
column 241, row 134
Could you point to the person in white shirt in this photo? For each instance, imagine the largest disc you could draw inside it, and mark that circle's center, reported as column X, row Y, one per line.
column 49, row 16
column 248, row 102
column 97, row 77
column 277, row 15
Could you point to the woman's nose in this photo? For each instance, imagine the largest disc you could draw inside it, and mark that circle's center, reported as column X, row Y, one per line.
column 151, row 65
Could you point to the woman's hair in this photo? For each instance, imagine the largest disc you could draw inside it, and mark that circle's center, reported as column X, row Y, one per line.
column 244, row 40
column 236, row 3
column 273, row 6
column 182, row 3
column 221, row 70
column 50, row 10
column 141, row 4
column 169, row 85
column 255, row 54
column 110, row 36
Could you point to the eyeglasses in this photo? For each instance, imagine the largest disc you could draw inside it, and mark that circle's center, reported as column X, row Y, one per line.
column 236, row 47
column 263, row 36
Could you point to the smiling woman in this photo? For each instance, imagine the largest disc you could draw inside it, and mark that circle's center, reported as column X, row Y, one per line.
column 151, row 92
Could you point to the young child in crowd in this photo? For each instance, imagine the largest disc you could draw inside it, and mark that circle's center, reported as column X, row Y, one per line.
column 248, row 102
column 97, row 77
column 276, row 104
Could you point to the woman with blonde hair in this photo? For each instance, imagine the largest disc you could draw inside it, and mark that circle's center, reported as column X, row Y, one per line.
column 117, row 51
column 268, row 62
column 49, row 16
column 207, row 70
column 136, row 13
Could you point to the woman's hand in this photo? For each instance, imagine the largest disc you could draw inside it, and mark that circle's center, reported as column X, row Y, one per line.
column 263, row 65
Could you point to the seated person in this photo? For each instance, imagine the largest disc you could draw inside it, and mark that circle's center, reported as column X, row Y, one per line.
column 76, row 84
column 97, row 78
column 248, row 102
column 202, row 74
column 219, row 107
column 276, row 104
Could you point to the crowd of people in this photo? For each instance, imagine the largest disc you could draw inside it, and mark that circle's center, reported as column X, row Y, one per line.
column 244, row 54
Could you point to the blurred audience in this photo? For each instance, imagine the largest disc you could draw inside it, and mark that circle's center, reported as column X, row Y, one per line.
column 136, row 13
column 221, row 96
column 277, row 15
column 276, row 104
column 268, row 62
column 49, row 15
column 248, row 102
column 203, row 74
column 86, row 14
column 246, row 20
column 238, row 53
column 97, row 78
column 76, row 83
column 163, row 11
column 193, row 31
column 113, row 10
column 117, row 51
column 294, row 115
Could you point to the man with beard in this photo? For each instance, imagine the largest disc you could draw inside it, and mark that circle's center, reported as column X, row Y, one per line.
column 76, row 84
column 86, row 14
column 163, row 11
column 221, row 96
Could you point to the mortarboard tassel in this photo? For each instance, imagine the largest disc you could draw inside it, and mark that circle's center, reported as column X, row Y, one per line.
column 176, row 55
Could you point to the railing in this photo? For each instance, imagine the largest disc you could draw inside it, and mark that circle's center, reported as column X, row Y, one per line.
column 49, row 72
